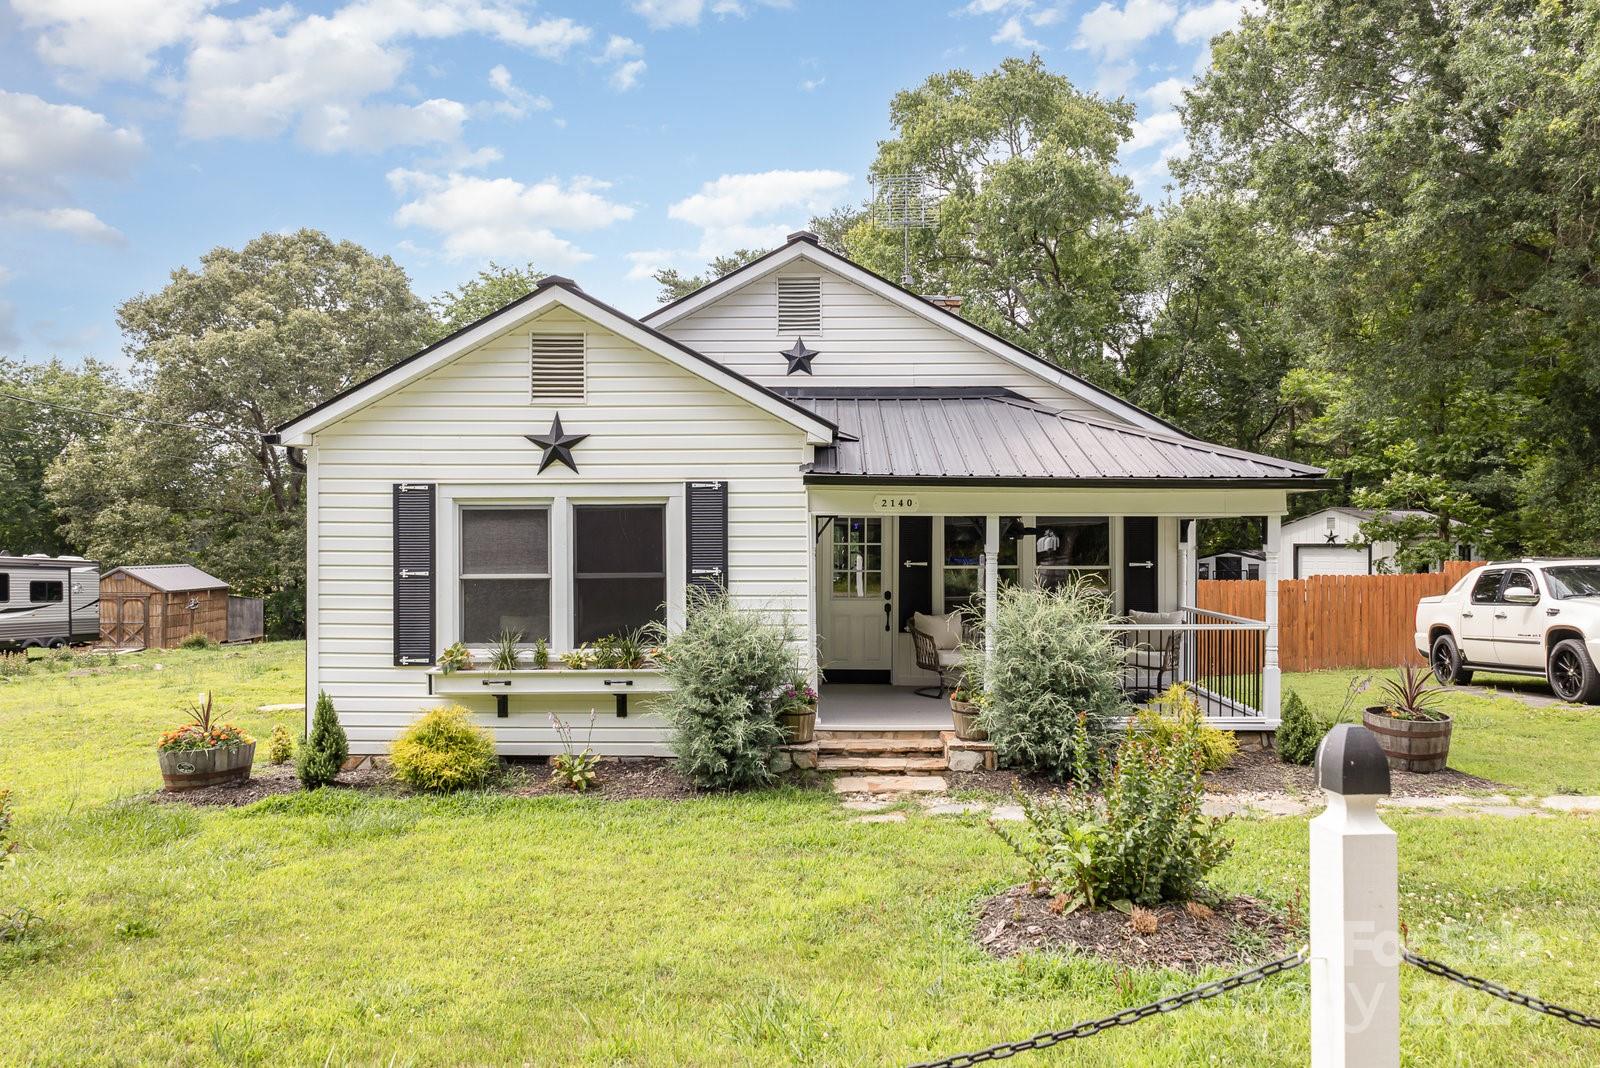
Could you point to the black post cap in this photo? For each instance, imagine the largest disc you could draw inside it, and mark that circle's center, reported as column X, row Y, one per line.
column 1350, row 761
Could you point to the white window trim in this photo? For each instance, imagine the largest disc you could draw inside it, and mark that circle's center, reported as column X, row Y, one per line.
column 560, row 499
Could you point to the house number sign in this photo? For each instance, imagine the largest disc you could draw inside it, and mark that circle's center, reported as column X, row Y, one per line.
column 895, row 504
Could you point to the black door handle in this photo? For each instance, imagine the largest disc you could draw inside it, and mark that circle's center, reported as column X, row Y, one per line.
column 888, row 612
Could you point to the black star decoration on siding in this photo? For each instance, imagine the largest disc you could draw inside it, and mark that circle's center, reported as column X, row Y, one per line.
column 799, row 357
column 557, row 445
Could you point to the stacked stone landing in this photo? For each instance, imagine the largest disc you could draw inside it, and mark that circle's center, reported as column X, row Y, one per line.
column 890, row 752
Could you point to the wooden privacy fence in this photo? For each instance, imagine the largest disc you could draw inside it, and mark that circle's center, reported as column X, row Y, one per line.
column 246, row 619
column 1337, row 621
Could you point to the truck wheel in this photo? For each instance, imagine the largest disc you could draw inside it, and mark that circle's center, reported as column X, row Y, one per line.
column 1572, row 673
column 1446, row 661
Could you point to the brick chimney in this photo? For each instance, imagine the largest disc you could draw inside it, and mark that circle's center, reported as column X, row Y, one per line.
column 945, row 301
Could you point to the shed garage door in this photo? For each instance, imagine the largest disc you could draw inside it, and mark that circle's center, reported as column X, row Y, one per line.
column 1330, row 560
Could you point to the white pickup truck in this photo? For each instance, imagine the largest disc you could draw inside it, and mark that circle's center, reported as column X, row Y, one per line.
column 1522, row 617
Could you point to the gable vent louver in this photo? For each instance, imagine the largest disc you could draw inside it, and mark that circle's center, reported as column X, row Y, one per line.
column 558, row 367
column 800, row 306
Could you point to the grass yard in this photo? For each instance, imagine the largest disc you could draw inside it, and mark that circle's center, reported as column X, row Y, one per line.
column 343, row 928
column 1552, row 750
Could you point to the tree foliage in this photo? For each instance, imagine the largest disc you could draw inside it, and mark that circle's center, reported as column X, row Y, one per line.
column 487, row 292
column 676, row 285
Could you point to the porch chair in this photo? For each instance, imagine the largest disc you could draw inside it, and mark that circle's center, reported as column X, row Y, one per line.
column 937, row 642
column 1158, row 657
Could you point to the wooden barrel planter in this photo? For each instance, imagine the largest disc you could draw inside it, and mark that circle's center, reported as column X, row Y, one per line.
column 965, row 713
column 799, row 724
column 1421, row 745
column 193, row 769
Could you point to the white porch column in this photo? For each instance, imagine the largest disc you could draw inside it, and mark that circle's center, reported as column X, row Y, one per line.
column 1355, row 910
column 991, row 581
column 1271, row 677
column 1188, row 592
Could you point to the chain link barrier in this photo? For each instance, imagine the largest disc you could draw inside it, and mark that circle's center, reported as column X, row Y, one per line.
column 1472, row 982
column 1046, row 1039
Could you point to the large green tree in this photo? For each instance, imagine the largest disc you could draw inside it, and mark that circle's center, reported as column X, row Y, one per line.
column 221, row 356
column 491, row 289
column 1438, row 165
column 1034, row 227
column 676, row 285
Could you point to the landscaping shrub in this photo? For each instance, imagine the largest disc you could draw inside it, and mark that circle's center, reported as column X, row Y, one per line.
column 728, row 667
column 8, row 845
column 444, row 751
column 1299, row 732
column 1142, row 842
column 1176, row 712
column 280, row 747
column 197, row 641
column 325, row 750
column 572, row 768
column 1053, row 666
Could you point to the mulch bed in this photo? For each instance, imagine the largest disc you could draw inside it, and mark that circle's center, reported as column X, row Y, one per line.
column 269, row 780
column 1261, row 772
column 629, row 779
column 1189, row 938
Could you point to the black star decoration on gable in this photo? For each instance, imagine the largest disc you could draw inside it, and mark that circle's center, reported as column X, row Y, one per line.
column 799, row 357
column 557, row 445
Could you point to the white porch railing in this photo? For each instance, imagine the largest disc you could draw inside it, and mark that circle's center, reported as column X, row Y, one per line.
column 1221, row 657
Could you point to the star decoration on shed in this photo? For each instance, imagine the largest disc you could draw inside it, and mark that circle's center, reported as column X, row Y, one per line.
column 799, row 357
column 557, row 445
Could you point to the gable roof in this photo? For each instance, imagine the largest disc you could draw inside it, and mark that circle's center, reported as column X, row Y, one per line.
column 550, row 291
column 807, row 246
column 171, row 578
column 953, row 434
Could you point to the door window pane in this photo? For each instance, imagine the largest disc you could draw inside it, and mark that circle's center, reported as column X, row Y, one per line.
column 620, row 574
column 505, row 574
column 857, row 556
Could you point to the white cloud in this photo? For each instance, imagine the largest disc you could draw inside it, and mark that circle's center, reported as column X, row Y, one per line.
column 646, row 262
column 1165, row 94
column 372, row 128
column 1113, row 79
column 1207, row 20
column 666, row 14
column 1048, row 16
column 1112, row 32
column 518, row 101
column 627, row 75
column 74, row 222
column 811, row 85
column 502, row 218
column 1012, row 35
column 620, row 47
column 1159, row 129
column 107, row 39
column 992, row 7
column 756, row 210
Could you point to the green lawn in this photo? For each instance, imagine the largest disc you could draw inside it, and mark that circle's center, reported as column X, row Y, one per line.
column 765, row 929
column 1536, row 750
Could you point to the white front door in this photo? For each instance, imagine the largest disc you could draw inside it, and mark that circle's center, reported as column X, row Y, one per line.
column 854, row 570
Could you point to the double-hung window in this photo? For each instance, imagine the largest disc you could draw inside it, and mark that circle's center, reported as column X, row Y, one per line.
column 619, row 576
column 505, row 573
column 964, row 538
column 1074, row 547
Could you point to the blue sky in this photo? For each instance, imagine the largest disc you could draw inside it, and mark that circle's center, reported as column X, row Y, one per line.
column 598, row 140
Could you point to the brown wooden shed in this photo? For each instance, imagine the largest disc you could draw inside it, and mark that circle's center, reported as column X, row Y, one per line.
column 156, row 606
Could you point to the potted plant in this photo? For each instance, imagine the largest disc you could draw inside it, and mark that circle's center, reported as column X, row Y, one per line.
column 1413, row 732
column 506, row 654
column 456, row 657
column 203, row 752
column 797, row 712
column 966, row 704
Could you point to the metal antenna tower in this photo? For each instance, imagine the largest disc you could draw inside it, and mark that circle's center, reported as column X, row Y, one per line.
column 902, row 201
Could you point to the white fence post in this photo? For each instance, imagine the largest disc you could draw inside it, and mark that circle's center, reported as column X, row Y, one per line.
column 1355, row 909
column 1271, row 676
column 991, row 583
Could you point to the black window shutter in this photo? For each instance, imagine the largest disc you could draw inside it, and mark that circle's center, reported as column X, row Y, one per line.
column 413, row 573
column 708, row 535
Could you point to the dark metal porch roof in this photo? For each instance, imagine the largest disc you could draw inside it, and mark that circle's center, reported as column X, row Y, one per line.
column 992, row 435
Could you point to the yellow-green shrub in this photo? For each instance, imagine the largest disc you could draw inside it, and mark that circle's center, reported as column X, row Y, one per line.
column 1176, row 712
column 444, row 751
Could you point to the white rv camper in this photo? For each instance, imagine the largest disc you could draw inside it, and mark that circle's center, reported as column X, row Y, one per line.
column 48, row 601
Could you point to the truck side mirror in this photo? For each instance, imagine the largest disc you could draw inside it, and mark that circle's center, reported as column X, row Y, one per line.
column 1520, row 595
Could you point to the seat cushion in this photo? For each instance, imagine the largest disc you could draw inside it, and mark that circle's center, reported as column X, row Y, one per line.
column 952, row 658
column 1142, row 658
column 944, row 630
column 1156, row 619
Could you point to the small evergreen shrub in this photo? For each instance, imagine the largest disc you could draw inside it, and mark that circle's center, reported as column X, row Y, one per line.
column 728, row 667
column 1176, row 712
column 197, row 641
column 1299, row 732
column 325, row 749
column 1142, row 842
column 444, row 751
column 1052, row 680
column 280, row 747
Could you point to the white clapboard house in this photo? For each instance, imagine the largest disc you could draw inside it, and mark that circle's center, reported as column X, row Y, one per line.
column 801, row 431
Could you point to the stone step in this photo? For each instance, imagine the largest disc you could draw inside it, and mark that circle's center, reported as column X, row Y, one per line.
column 835, row 733
column 878, row 743
column 890, row 784
column 881, row 763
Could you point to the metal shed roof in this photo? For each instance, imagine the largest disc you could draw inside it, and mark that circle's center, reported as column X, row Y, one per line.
column 172, row 578
column 989, row 434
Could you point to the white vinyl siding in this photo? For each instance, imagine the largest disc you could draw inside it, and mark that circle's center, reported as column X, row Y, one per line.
column 652, row 427
column 799, row 305
column 557, row 368
column 869, row 341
